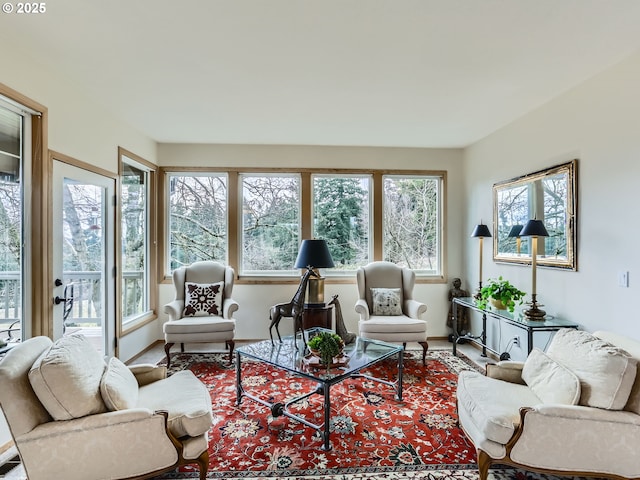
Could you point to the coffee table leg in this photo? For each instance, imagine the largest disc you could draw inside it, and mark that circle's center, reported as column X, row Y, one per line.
column 238, row 380
column 400, row 370
column 327, row 415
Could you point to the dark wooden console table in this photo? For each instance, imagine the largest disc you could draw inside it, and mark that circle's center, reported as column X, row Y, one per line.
column 517, row 319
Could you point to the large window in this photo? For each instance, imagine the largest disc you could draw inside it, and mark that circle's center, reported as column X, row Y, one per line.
column 341, row 205
column 197, row 218
column 411, row 222
column 136, row 230
column 14, row 177
column 270, row 223
column 255, row 221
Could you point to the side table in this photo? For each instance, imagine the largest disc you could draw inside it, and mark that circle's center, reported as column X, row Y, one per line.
column 317, row 316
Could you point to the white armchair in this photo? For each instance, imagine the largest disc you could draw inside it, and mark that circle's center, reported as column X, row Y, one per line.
column 572, row 410
column 386, row 306
column 74, row 416
column 202, row 311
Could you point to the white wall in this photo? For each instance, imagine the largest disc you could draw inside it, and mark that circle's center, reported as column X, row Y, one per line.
column 79, row 127
column 596, row 122
column 255, row 300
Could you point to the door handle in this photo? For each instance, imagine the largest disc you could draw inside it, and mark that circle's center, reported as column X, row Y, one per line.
column 58, row 300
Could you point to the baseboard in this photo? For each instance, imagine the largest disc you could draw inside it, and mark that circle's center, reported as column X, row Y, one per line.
column 5, row 447
column 489, row 354
column 150, row 347
column 8, row 458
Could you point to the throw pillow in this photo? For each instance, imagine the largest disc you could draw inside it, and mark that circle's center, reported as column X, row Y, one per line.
column 549, row 380
column 386, row 301
column 66, row 378
column 119, row 387
column 202, row 299
column 606, row 372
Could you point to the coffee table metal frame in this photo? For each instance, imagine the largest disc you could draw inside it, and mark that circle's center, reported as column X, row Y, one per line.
column 289, row 356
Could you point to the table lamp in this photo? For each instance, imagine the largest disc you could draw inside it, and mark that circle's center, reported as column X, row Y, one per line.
column 314, row 253
column 480, row 232
column 515, row 232
column 534, row 229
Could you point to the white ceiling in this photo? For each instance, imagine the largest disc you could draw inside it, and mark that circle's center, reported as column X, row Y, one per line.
column 415, row 73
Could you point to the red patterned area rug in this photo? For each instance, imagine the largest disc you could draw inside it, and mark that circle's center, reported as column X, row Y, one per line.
column 373, row 435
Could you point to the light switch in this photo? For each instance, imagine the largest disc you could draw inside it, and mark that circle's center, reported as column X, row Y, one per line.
column 623, row 279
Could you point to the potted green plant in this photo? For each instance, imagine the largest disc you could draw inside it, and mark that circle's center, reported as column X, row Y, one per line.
column 326, row 345
column 502, row 293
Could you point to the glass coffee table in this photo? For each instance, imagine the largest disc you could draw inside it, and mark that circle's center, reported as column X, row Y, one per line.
column 290, row 354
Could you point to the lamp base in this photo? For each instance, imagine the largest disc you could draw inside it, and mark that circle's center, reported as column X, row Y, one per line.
column 478, row 294
column 316, row 291
column 534, row 313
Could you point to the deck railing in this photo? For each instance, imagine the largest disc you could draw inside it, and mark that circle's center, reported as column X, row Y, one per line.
column 87, row 295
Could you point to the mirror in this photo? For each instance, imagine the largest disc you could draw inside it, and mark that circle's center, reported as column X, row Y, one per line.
column 548, row 195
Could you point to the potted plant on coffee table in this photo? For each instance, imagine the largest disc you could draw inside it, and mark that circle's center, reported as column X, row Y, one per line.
column 326, row 346
column 502, row 294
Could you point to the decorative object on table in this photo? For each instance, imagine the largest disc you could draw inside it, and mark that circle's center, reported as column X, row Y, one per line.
column 292, row 309
column 462, row 325
column 515, row 233
column 481, row 231
column 341, row 329
column 328, row 346
column 534, row 229
column 314, row 254
column 501, row 293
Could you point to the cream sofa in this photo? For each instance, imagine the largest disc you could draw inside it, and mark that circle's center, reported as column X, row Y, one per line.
column 574, row 409
column 75, row 416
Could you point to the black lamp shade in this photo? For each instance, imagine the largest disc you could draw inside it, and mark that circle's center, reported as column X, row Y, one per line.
column 534, row 228
column 481, row 231
column 314, row 253
column 515, row 231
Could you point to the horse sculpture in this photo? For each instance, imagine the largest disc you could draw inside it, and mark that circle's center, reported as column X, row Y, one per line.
column 293, row 309
column 341, row 329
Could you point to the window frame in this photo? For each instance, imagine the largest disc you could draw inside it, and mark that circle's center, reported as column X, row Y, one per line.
column 234, row 217
column 151, row 248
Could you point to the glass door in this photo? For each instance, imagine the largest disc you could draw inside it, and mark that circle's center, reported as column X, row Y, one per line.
column 83, row 255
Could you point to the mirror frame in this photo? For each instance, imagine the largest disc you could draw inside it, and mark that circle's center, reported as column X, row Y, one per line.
column 568, row 262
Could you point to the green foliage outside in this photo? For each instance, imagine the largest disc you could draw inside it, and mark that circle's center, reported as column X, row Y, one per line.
column 341, row 218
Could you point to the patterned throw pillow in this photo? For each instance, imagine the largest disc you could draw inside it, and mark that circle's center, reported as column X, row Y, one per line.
column 202, row 299
column 386, row 301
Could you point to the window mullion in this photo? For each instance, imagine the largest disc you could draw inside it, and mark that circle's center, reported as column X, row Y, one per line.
column 233, row 220
column 377, row 216
column 306, row 201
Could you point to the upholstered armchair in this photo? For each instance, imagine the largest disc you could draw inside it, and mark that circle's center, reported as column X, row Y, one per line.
column 573, row 410
column 75, row 416
column 386, row 306
column 202, row 311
